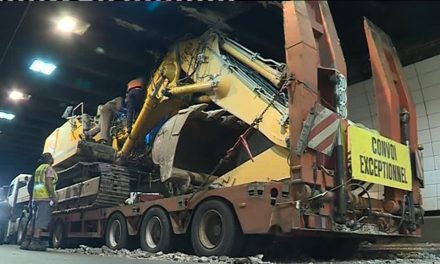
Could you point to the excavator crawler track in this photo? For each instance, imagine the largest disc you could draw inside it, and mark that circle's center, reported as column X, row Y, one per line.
column 94, row 184
column 114, row 186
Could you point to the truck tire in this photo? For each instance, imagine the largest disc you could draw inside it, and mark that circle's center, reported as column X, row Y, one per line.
column 21, row 229
column 215, row 230
column 3, row 231
column 156, row 233
column 58, row 237
column 116, row 235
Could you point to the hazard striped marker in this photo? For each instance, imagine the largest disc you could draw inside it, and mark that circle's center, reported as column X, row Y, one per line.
column 419, row 165
column 319, row 131
column 323, row 134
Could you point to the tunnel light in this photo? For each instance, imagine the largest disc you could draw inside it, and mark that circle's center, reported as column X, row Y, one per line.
column 15, row 95
column 42, row 67
column 6, row 116
column 69, row 24
column 100, row 50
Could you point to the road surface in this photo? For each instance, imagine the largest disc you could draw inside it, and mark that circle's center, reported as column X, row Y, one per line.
column 11, row 254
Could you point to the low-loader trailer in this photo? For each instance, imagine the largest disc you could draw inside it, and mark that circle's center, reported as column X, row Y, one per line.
column 247, row 147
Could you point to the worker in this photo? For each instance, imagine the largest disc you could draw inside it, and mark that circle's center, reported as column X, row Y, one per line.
column 135, row 99
column 106, row 114
column 29, row 226
column 44, row 198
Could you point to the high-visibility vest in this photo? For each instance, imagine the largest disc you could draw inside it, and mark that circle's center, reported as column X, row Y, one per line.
column 40, row 190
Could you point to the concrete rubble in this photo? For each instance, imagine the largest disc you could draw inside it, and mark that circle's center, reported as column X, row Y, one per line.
column 388, row 258
column 177, row 256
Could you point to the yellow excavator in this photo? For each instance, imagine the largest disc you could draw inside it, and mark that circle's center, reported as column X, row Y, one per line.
column 226, row 119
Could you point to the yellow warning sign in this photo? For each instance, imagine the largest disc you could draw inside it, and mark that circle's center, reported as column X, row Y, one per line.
column 380, row 160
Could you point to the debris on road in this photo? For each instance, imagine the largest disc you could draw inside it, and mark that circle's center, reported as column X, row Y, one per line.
column 177, row 256
column 376, row 258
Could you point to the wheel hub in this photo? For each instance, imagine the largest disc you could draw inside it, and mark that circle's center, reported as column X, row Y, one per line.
column 153, row 232
column 211, row 229
column 115, row 233
column 20, row 233
column 57, row 235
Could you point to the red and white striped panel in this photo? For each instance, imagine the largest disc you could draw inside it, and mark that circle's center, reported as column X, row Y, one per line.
column 419, row 165
column 323, row 133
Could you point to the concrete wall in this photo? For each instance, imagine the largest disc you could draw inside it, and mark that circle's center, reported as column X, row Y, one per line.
column 424, row 82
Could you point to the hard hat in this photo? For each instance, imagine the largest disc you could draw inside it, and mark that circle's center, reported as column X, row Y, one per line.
column 135, row 83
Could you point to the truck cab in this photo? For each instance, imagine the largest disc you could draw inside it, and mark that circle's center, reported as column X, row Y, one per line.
column 4, row 212
column 16, row 200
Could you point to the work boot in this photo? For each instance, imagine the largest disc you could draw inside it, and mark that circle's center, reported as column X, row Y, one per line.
column 25, row 243
column 37, row 245
column 103, row 141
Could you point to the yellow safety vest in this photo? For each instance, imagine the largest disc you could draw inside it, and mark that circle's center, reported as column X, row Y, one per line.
column 40, row 190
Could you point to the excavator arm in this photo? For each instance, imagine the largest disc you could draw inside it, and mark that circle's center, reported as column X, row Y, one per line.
column 222, row 72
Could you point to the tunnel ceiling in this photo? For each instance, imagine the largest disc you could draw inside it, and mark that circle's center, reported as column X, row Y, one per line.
column 124, row 40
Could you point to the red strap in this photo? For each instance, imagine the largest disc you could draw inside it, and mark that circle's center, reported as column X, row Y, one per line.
column 246, row 147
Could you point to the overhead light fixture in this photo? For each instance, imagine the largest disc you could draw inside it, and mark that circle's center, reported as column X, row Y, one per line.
column 100, row 50
column 6, row 116
column 69, row 24
column 42, row 67
column 16, row 95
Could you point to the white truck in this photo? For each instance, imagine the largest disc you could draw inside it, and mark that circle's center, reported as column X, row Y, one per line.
column 4, row 213
column 13, row 209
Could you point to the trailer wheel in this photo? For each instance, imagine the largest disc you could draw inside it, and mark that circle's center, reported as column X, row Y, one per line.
column 116, row 235
column 58, row 235
column 3, row 231
column 156, row 234
column 21, row 229
column 215, row 230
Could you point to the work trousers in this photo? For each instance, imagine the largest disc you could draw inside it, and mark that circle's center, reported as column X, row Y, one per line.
column 135, row 101
column 108, row 111
column 42, row 214
column 105, row 120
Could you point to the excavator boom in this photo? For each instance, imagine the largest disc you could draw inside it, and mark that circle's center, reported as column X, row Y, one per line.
column 212, row 67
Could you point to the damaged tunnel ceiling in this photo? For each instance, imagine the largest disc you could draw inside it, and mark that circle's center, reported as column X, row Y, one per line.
column 125, row 40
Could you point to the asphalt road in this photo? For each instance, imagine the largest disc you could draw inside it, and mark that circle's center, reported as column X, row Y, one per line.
column 11, row 254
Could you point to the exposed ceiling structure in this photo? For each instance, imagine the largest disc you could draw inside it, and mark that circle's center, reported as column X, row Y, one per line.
column 125, row 40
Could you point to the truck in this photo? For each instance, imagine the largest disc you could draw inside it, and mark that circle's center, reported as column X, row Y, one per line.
column 4, row 213
column 14, row 209
column 247, row 149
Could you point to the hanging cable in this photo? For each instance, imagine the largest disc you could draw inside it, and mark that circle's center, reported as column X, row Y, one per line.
column 243, row 136
column 319, row 96
column 318, row 195
column 5, row 52
column 402, row 217
column 367, row 189
column 370, row 208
